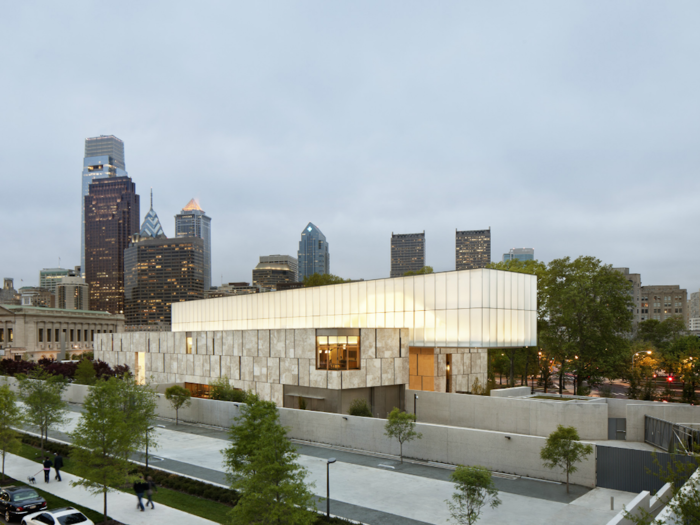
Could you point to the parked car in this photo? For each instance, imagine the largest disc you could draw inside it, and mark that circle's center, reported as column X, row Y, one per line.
column 62, row 516
column 16, row 502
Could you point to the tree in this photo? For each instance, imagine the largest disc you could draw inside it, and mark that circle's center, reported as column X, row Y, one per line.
column 563, row 450
column 324, row 279
column 401, row 426
column 105, row 437
column 85, row 373
column 422, row 271
column 10, row 416
column 474, row 490
column 45, row 408
column 359, row 407
column 179, row 397
column 261, row 464
column 139, row 404
column 221, row 390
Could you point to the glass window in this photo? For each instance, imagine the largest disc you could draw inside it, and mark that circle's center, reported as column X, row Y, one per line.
column 189, row 343
column 338, row 352
column 48, row 335
column 92, row 335
column 78, row 335
column 10, row 335
column 57, row 338
column 2, row 335
column 41, row 335
column 71, row 335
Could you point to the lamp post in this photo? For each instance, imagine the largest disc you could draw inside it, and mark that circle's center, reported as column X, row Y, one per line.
column 415, row 399
column 328, row 487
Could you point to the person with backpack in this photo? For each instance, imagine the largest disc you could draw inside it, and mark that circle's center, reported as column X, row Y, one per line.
column 149, row 492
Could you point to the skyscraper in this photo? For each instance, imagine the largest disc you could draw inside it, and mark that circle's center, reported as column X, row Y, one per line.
column 104, row 157
column 158, row 272
column 472, row 249
column 407, row 253
column 521, row 254
column 111, row 218
column 313, row 254
column 275, row 269
column 192, row 221
column 50, row 277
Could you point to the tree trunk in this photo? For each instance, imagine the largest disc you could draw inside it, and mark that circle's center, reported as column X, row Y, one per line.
column 561, row 378
column 177, row 416
column 567, row 480
column 401, row 451
column 104, row 492
column 527, row 364
column 511, row 380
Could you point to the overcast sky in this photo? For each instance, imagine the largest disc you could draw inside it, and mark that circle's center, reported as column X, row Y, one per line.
column 571, row 127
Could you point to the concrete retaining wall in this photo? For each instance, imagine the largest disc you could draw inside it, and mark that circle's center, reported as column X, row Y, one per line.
column 521, row 416
column 635, row 508
column 673, row 412
column 517, row 391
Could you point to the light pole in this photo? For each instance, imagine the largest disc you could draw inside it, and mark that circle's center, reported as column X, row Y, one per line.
column 415, row 399
column 328, row 487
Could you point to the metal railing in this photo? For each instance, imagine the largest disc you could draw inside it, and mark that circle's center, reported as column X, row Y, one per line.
column 671, row 437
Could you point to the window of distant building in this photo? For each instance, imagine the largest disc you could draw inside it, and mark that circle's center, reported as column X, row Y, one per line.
column 338, row 349
column 41, row 335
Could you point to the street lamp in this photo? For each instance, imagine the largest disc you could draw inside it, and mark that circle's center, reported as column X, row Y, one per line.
column 415, row 399
column 328, row 487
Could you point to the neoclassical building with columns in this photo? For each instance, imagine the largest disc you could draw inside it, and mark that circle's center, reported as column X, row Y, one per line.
column 332, row 344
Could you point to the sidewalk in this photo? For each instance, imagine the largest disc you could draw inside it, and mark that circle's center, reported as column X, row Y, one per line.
column 120, row 505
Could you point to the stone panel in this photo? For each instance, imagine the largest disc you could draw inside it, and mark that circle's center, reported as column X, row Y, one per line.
column 334, row 379
column 305, row 341
column 199, row 365
column 210, row 343
column 189, row 362
column 441, row 361
column 218, row 343
column 440, row 384
column 273, row 370
column 368, row 343
column 403, row 333
column 401, row 371
column 227, row 345
column 289, row 371
column 264, row 343
column 201, row 338
column 237, row 342
column 387, row 342
column 215, row 366
column 289, row 343
column 387, row 372
column 260, row 369
column 277, row 343
column 304, row 370
column 250, row 343
column 374, row 372
column 247, row 368
column 277, row 394
column 263, row 390
column 226, row 366
column 153, row 343
column 235, row 367
column 317, row 378
column 354, row 379
column 457, row 365
column 179, row 343
column 181, row 366
column 138, row 342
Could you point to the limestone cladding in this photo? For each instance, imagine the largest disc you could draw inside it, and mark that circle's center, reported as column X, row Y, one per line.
column 263, row 361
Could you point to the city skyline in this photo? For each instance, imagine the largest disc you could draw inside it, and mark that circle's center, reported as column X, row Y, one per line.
column 549, row 140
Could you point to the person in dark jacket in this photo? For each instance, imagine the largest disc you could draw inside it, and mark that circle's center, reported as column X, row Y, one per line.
column 47, row 469
column 58, row 465
column 149, row 492
column 140, row 487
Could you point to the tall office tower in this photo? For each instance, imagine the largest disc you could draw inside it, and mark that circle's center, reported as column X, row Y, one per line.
column 283, row 259
column 521, row 254
column 104, row 157
column 72, row 293
column 158, row 272
column 268, row 274
column 635, row 280
column 694, row 305
column 473, row 249
column 407, row 253
column 662, row 302
column 193, row 222
column 111, row 218
column 313, row 253
column 50, row 277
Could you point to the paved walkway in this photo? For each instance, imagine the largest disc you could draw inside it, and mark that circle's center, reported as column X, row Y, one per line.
column 364, row 489
column 120, row 505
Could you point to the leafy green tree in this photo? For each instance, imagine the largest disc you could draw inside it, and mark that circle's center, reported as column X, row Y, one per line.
column 422, row 271
column 563, row 450
column 221, row 390
column 324, row 279
column 42, row 396
column 179, row 397
column 261, row 464
column 104, row 438
column 402, row 427
column 139, row 403
column 359, row 407
column 10, row 416
column 661, row 334
column 85, row 373
column 474, row 490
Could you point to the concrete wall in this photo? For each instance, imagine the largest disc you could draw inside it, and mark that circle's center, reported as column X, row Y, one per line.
column 521, row 416
column 637, row 508
column 516, row 391
column 673, row 412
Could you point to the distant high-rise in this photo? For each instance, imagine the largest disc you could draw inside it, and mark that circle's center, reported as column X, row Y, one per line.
column 313, row 254
column 158, row 272
column 72, row 293
column 275, row 269
column 407, row 253
column 521, row 254
column 50, row 277
column 104, row 157
column 192, row 221
column 473, row 249
column 111, row 218
column 290, row 261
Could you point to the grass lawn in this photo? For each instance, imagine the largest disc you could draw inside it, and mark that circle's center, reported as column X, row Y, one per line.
column 54, row 502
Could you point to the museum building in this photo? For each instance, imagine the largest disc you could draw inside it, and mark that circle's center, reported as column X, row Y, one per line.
column 329, row 345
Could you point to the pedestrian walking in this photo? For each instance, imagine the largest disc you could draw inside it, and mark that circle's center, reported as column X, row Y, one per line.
column 140, row 487
column 57, row 466
column 149, row 492
column 47, row 469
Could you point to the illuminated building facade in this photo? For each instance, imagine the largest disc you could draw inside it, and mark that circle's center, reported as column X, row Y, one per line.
column 407, row 253
column 111, row 218
column 104, row 157
column 192, row 221
column 472, row 249
column 313, row 255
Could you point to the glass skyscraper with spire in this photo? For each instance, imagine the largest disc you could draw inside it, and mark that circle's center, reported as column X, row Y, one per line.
column 104, row 157
column 313, row 253
column 192, row 221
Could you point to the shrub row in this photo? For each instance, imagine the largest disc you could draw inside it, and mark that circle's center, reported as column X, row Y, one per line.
column 10, row 367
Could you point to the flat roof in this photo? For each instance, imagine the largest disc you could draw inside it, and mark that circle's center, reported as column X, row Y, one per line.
column 57, row 310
